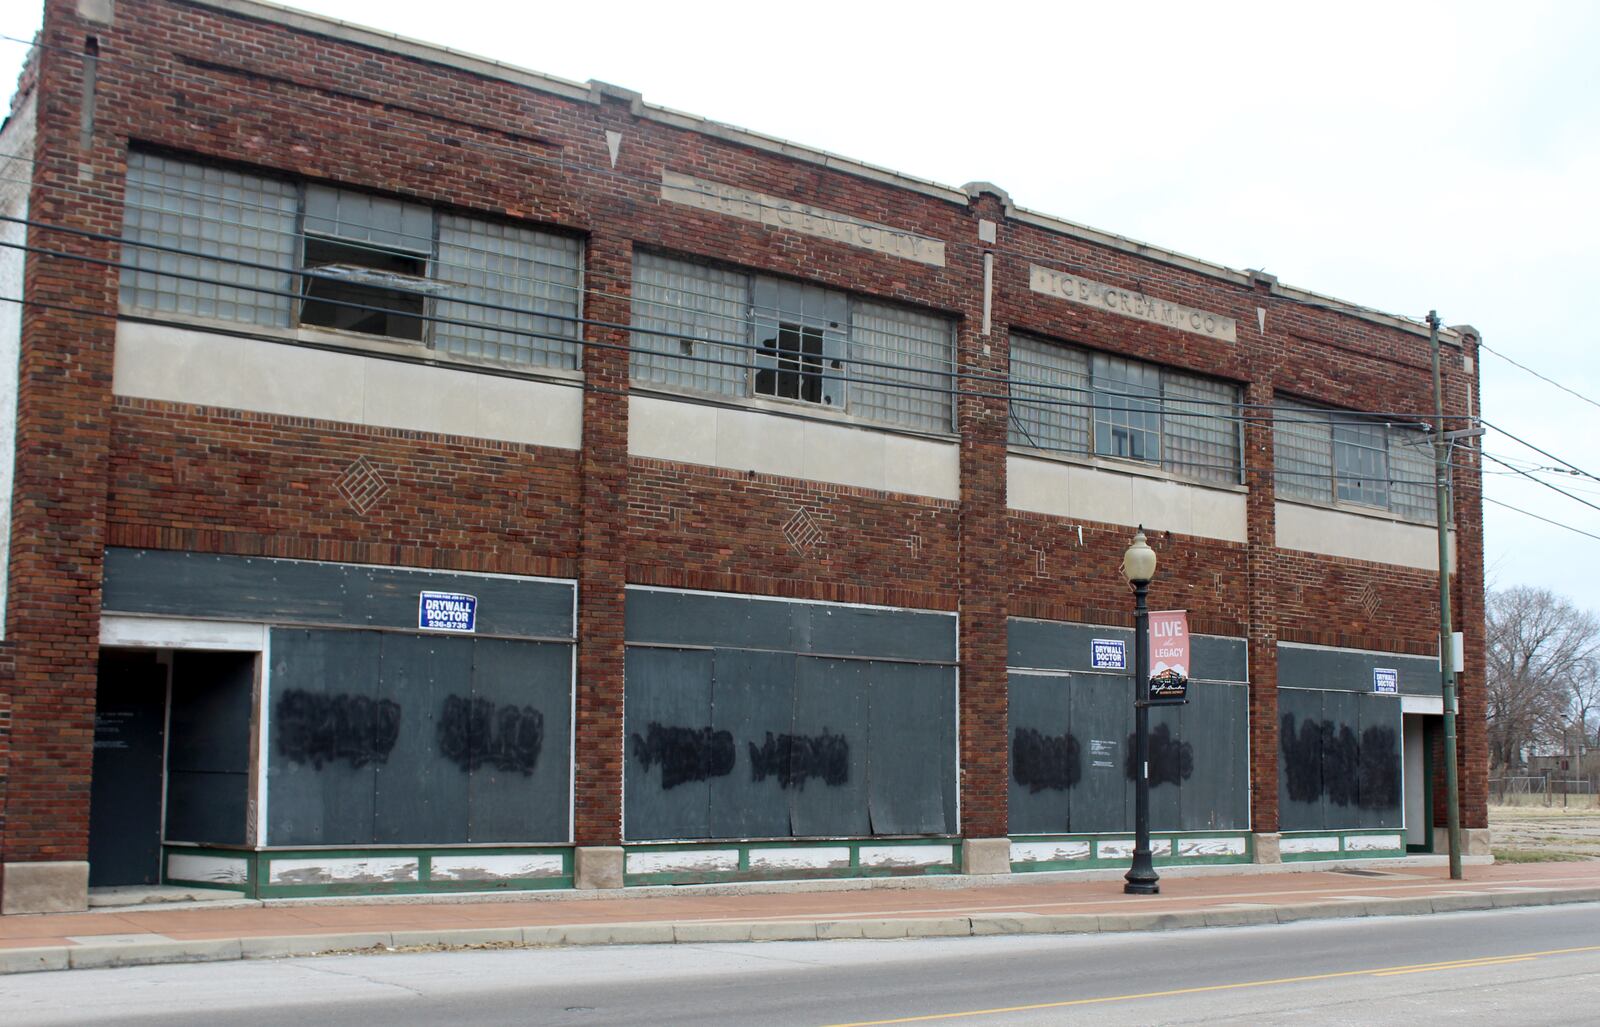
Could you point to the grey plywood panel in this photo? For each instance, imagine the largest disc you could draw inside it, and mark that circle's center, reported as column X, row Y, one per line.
column 209, row 719
column 1378, row 777
column 910, row 742
column 1172, row 766
column 518, row 790
column 861, row 631
column 308, row 592
column 752, row 698
column 1351, row 671
column 1216, row 795
column 1057, row 646
column 1053, row 645
column 207, row 807
column 831, row 712
column 736, row 622
column 1102, row 720
column 1046, row 757
column 699, row 618
column 208, row 747
column 1219, row 659
column 1300, row 800
column 328, row 731
column 1341, row 758
column 672, row 751
column 421, row 795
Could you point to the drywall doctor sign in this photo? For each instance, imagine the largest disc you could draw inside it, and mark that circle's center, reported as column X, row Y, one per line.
column 1169, row 657
column 455, row 612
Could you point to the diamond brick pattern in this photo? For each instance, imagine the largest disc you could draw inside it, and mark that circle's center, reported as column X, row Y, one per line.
column 361, row 485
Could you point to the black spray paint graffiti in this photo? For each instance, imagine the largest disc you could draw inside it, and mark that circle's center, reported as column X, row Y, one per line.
column 316, row 728
column 1171, row 759
column 1324, row 759
column 1040, row 761
column 475, row 732
column 685, row 753
column 795, row 759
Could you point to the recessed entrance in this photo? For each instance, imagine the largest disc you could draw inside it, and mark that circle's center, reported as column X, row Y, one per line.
column 171, row 758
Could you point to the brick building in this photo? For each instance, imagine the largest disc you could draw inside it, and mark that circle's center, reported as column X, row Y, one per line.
column 430, row 475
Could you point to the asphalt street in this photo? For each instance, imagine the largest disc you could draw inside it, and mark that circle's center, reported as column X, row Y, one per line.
column 1524, row 966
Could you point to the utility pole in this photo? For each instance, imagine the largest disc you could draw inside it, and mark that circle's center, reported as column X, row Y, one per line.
column 1447, row 671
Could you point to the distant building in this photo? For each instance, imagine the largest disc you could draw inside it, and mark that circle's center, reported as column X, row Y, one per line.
column 434, row 476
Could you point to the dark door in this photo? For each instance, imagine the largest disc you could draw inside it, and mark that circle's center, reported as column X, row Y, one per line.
column 125, row 792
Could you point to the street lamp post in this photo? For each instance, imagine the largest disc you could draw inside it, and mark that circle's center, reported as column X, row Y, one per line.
column 1139, row 566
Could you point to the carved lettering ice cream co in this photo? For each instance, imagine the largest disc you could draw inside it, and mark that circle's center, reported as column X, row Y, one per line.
column 1131, row 304
column 778, row 212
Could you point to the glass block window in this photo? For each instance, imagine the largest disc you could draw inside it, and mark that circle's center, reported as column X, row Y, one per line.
column 538, row 274
column 211, row 213
column 1049, row 396
column 917, row 349
column 1325, row 455
column 1302, row 442
column 1127, row 408
column 1411, row 476
column 1200, row 428
column 1071, row 401
column 379, row 266
column 683, row 311
column 712, row 330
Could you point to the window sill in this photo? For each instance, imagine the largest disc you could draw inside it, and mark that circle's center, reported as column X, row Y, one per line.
column 1374, row 513
column 793, row 409
column 1130, row 468
column 357, row 343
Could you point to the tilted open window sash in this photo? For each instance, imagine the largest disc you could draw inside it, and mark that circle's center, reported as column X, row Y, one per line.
column 368, row 262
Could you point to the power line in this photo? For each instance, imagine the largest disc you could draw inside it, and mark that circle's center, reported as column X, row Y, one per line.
column 1536, row 517
column 1536, row 374
column 1575, row 468
column 1546, row 484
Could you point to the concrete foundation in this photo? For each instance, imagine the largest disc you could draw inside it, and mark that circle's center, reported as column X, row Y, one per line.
column 45, row 888
column 1267, row 848
column 1474, row 841
column 597, row 866
column 986, row 855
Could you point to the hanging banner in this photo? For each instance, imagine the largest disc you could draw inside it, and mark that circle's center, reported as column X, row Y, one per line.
column 1169, row 657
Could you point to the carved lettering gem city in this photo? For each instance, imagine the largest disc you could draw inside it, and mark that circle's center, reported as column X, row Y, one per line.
column 1131, row 304
column 777, row 212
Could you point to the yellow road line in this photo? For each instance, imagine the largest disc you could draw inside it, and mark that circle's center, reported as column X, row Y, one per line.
column 1520, row 957
column 1468, row 964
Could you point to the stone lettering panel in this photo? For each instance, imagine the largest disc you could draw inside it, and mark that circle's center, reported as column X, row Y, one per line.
column 777, row 212
column 1127, row 303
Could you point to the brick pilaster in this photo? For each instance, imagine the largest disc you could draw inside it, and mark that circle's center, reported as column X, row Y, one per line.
column 62, row 450
column 602, row 551
column 985, row 762
column 1262, row 571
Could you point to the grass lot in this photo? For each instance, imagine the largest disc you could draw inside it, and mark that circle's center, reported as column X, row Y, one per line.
column 1536, row 833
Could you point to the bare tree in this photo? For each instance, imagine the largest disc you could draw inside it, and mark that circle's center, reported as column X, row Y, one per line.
column 1543, row 653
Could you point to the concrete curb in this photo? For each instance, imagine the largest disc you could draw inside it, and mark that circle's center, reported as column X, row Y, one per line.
column 82, row 957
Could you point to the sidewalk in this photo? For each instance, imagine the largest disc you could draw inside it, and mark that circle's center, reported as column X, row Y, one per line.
column 923, row 907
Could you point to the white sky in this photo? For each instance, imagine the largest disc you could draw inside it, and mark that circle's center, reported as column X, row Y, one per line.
column 1402, row 156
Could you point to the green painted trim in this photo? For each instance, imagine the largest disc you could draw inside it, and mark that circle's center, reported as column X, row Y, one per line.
column 1095, row 862
column 246, row 890
column 258, row 865
column 745, row 873
column 1344, row 852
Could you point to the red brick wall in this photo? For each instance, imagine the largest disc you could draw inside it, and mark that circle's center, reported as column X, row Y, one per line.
column 93, row 472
